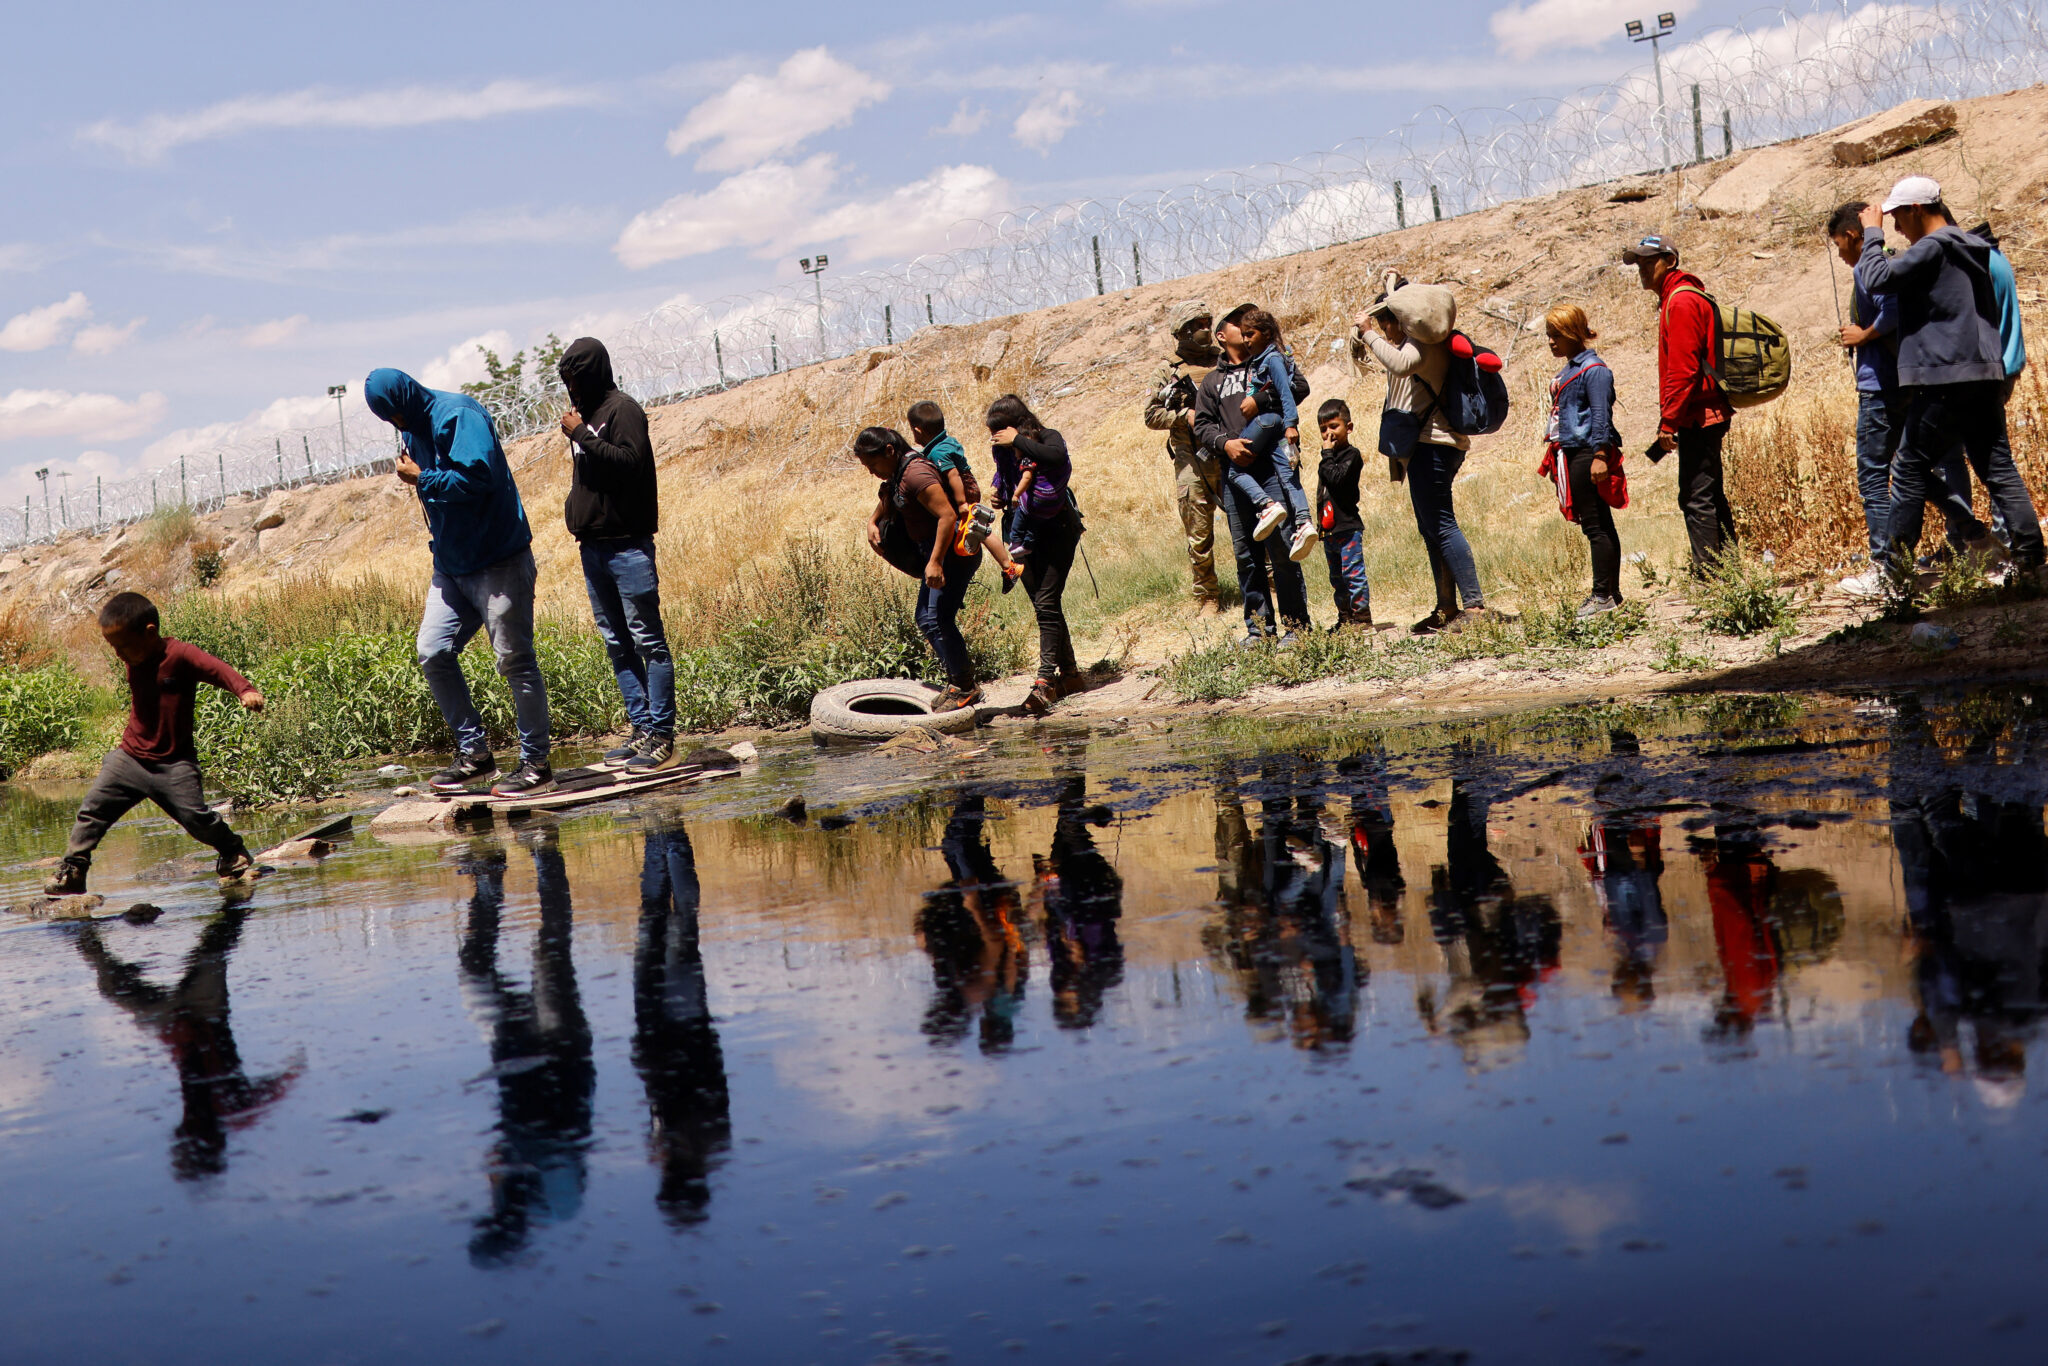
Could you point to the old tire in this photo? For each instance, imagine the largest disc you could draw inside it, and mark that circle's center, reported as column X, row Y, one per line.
column 879, row 708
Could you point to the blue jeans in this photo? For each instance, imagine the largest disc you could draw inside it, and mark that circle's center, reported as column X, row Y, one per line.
column 1880, row 420
column 625, row 598
column 1937, row 416
column 1345, row 553
column 1271, row 476
column 1263, row 569
column 499, row 599
column 936, row 610
column 1431, row 469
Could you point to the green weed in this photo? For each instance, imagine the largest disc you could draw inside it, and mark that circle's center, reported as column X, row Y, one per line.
column 41, row 709
column 1673, row 657
column 1741, row 596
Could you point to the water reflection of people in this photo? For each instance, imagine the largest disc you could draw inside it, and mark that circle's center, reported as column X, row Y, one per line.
column 1625, row 856
column 192, row 1020
column 972, row 927
column 1372, row 844
column 1496, row 945
column 1083, row 898
column 675, row 1048
column 540, row 1055
column 1976, row 881
column 1740, row 881
column 1285, row 923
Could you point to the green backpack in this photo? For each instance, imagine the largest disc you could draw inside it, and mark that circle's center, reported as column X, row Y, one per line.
column 1752, row 356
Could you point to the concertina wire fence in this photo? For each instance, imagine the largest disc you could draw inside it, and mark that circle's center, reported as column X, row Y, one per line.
column 1776, row 76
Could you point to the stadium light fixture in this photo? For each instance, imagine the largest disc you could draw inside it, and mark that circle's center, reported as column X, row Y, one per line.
column 1639, row 32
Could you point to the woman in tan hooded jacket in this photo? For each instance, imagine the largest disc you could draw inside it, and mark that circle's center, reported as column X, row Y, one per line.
column 1407, row 332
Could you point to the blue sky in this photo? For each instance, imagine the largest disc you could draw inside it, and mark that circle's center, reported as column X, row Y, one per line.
column 215, row 211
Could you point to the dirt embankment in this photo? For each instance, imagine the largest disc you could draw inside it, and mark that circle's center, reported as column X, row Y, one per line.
column 745, row 469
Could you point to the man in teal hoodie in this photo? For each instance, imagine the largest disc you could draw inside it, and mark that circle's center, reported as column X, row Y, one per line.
column 483, row 573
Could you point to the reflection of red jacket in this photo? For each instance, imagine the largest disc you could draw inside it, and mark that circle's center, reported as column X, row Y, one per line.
column 1738, row 893
column 1688, row 394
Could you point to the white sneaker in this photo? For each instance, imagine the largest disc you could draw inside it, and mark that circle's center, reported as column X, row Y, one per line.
column 1868, row 584
column 1270, row 516
column 1304, row 542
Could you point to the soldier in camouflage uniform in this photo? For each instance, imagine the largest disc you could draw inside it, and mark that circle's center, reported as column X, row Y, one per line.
column 1197, row 476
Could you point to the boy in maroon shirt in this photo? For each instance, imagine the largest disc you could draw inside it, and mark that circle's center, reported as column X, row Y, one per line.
column 156, row 758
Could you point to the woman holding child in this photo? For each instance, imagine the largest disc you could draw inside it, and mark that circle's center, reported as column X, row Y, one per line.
column 1043, row 528
column 914, row 528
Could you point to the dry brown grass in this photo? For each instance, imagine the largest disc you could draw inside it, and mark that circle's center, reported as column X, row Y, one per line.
column 24, row 641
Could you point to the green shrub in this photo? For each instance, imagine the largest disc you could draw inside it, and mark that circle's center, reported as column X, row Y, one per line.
column 41, row 710
column 1740, row 597
column 290, row 753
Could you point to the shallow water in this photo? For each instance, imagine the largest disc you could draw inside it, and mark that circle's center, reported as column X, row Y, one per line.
column 1688, row 1032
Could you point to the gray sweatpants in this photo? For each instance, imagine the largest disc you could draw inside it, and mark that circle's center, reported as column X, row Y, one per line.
column 124, row 782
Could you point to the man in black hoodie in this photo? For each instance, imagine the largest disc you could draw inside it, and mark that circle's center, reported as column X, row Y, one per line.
column 612, row 511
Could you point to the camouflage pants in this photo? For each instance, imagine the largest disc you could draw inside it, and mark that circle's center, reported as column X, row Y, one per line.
column 1197, row 489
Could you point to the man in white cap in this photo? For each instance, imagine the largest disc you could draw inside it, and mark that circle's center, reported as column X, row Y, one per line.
column 1951, row 361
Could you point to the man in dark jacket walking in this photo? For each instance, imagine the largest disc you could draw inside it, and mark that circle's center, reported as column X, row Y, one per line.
column 1693, row 413
column 483, row 573
column 613, row 511
column 1263, row 568
column 1951, row 362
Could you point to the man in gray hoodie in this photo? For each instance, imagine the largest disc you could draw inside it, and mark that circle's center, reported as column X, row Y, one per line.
column 1951, row 363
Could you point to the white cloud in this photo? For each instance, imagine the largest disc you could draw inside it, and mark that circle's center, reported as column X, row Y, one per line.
column 56, row 413
column 41, row 328
column 149, row 138
column 21, row 257
column 967, row 120
column 276, row 332
column 764, row 116
column 397, row 249
column 103, row 338
column 1528, row 30
column 281, row 415
column 915, row 218
column 1047, row 119
column 756, row 208
column 463, row 363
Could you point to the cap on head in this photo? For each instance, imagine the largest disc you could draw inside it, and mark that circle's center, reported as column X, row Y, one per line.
column 1914, row 189
column 1236, row 315
column 1649, row 249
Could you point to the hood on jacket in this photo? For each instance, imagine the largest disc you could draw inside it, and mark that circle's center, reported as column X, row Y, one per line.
column 401, row 400
column 1427, row 313
column 586, row 371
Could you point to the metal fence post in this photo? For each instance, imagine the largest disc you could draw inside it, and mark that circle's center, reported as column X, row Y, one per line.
column 221, row 459
column 99, row 502
column 306, row 442
column 718, row 354
column 1400, row 207
column 1727, row 133
column 1137, row 267
column 888, row 326
column 280, row 462
column 184, row 487
column 1436, row 205
column 927, row 309
column 1095, row 243
column 774, row 356
column 152, row 495
column 1699, row 132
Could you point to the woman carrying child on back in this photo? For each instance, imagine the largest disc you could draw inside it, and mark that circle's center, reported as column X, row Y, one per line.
column 1043, row 528
column 1582, row 451
column 914, row 527
column 1273, row 480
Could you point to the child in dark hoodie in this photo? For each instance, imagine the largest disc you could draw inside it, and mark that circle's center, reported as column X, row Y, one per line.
column 613, row 511
column 1337, row 515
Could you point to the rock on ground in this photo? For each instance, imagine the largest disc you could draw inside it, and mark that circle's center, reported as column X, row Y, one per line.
column 1896, row 130
column 79, row 907
column 1751, row 186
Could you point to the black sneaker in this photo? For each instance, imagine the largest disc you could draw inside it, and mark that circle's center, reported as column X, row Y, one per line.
column 954, row 698
column 624, row 753
column 527, row 780
column 466, row 769
column 68, row 880
column 656, row 752
column 234, row 863
column 1434, row 622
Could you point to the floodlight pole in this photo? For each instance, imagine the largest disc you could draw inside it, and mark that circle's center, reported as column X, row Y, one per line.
column 1639, row 32
column 43, row 475
column 814, row 271
column 336, row 392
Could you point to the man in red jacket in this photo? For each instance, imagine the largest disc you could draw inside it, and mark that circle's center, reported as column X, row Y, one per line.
column 1693, row 413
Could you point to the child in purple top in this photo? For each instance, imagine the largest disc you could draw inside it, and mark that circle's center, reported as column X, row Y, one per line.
column 1032, row 470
